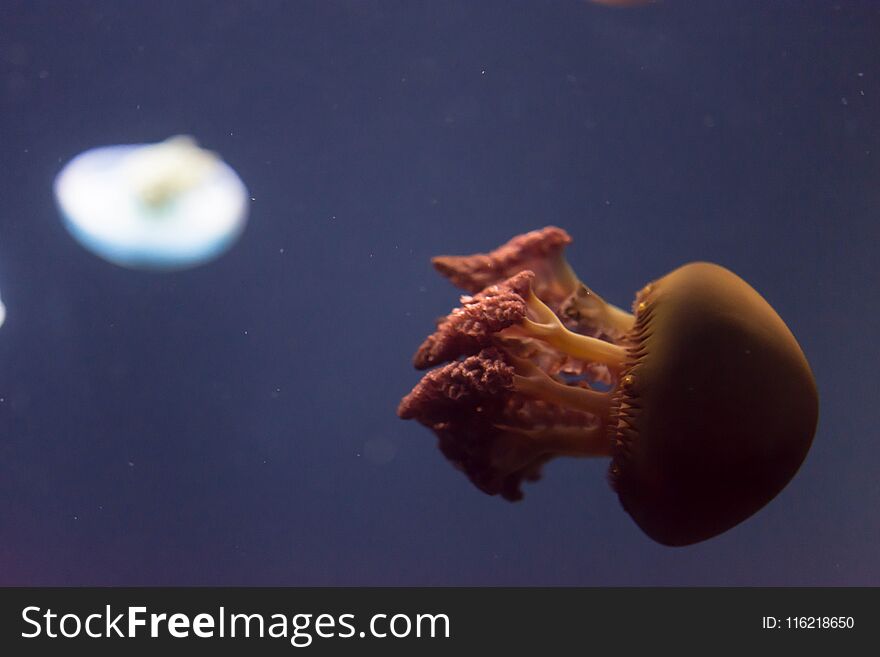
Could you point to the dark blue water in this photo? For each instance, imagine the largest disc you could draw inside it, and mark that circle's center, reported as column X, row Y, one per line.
column 235, row 424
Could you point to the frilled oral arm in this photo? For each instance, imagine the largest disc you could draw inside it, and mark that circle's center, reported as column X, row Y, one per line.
column 543, row 252
column 521, row 353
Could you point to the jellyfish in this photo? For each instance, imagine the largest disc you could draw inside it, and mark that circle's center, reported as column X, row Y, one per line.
column 701, row 397
column 163, row 206
column 2, row 312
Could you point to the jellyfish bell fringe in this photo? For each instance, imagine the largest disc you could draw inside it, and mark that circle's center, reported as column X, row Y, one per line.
column 164, row 206
column 707, row 406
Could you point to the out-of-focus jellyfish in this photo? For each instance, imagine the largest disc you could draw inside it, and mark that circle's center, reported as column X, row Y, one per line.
column 702, row 398
column 161, row 206
column 2, row 312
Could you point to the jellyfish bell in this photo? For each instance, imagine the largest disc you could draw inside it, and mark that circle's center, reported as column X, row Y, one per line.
column 707, row 409
column 717, row 406
column 160, row 206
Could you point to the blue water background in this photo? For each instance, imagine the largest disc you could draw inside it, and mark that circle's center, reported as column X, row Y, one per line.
column 235, row 424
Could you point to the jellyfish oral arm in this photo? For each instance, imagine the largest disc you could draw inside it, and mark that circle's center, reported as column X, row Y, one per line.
column 533, row 383
column 541, row 386
column 522, row 351
column 578, row 346
column 577, row 442
column 615, row 317
column 549, row 329
column 585, row 303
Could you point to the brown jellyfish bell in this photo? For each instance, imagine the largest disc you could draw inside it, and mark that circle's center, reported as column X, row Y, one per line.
column 702, row 397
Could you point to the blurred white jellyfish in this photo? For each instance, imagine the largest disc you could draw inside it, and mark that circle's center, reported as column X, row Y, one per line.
column 169, row 205
column 2, row 312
